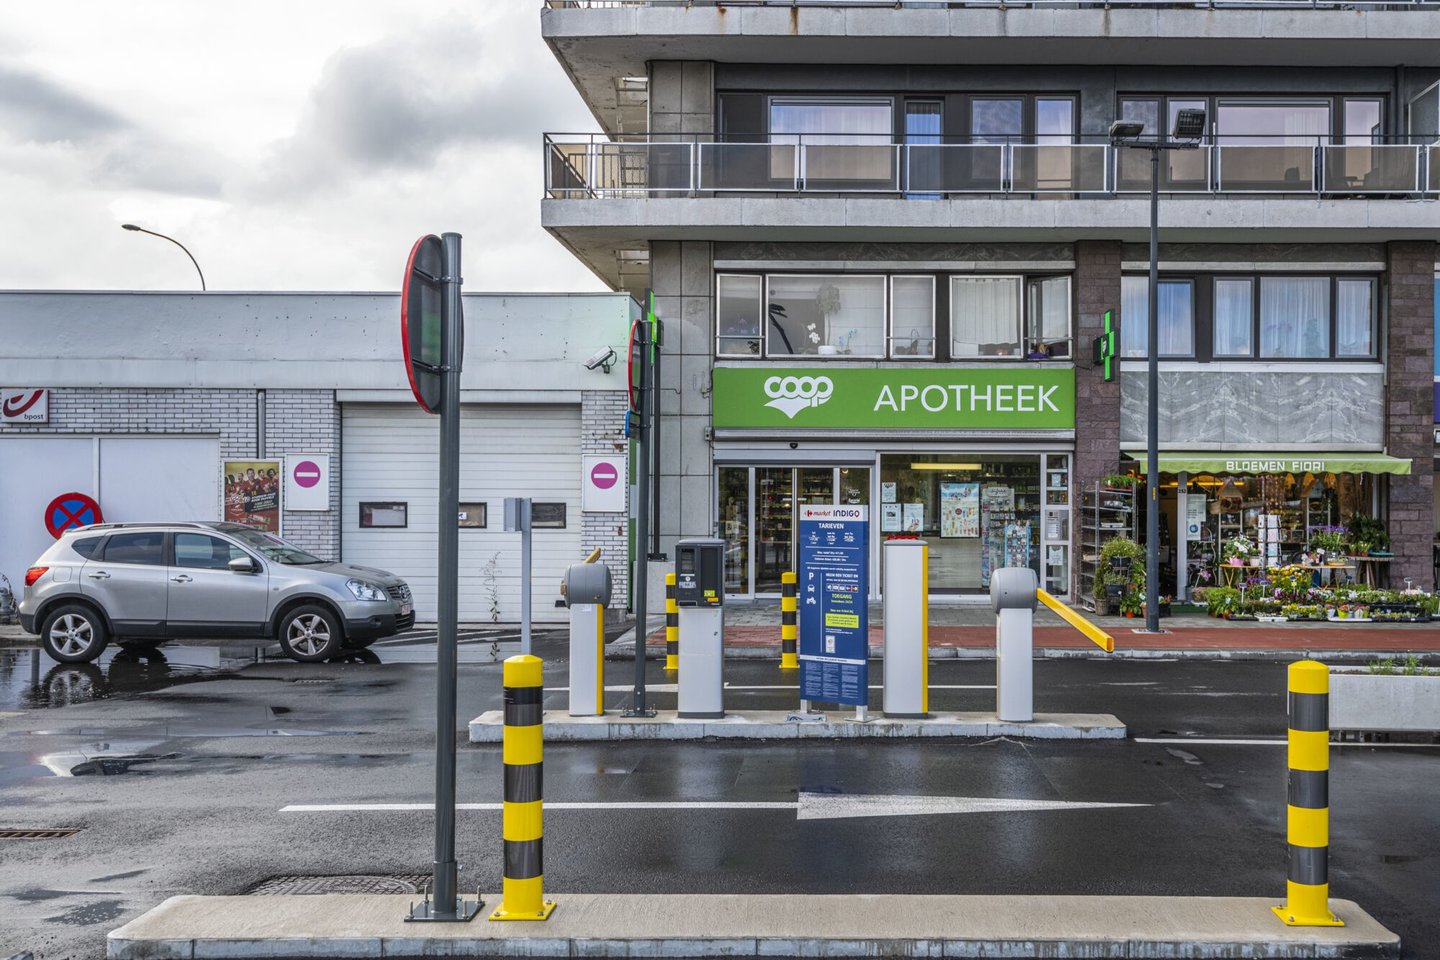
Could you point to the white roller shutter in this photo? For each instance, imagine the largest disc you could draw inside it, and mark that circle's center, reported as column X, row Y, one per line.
column 390, row 452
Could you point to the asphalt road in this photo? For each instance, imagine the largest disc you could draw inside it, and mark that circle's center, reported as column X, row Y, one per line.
column 207, row 747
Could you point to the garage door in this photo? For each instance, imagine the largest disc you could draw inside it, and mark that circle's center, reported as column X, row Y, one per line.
column 133, row 478
column 391, row 457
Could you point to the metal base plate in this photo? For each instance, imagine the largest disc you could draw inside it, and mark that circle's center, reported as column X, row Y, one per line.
column 464, row 910
column 546, row 908
column 647, row 712
column 1290, row 920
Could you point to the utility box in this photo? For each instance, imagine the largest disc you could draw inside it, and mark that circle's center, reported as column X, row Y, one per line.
column 907, row 628
column 700, row 595
column 586, row 588
column 1013, row 595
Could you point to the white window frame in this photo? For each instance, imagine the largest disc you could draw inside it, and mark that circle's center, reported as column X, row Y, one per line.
column 890, row 335
column 884, row 316
column 758, row 355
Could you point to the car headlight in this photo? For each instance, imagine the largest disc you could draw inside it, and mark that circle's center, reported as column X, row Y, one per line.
column 366, row 591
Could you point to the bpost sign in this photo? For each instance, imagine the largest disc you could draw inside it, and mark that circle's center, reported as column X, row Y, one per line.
column 1004, row 398
column 834, row 616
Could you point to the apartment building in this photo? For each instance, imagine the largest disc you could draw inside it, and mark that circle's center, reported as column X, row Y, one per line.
column 885, row 237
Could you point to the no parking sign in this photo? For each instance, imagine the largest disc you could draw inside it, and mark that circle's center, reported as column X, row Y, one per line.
column 71, row 510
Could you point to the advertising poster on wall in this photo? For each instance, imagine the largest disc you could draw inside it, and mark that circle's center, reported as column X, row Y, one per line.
column 889, row 518
column 959, row 509
column 1017, row 544
column 834, row 615
column 252, row 493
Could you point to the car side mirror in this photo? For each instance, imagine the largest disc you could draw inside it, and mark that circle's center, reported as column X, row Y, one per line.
column 242, row 565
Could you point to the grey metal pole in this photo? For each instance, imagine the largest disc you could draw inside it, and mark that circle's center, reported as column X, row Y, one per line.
column 444, row 882
column 1152, row 411
column 642, row 521
column 525, row 577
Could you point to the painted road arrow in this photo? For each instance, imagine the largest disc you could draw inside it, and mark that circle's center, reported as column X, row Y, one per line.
column 809, row 806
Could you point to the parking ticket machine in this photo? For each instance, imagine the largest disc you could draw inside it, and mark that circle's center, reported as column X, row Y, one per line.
column 700, row 595
column 586, row 588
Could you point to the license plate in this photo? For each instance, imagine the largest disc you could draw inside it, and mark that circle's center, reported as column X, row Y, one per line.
column 404, row 609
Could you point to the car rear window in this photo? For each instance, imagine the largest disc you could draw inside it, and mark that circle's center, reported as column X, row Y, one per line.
column 86, row 546
column 148, row 548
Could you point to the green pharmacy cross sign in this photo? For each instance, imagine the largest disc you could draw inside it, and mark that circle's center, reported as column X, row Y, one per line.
column 1107, row 347
column 1003, row 397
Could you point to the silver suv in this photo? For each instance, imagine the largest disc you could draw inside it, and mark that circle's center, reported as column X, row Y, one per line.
column 143, row 583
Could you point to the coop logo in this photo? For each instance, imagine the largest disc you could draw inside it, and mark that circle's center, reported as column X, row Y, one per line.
column 790, row 395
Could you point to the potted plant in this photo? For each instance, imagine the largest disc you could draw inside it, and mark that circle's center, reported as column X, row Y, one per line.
column 1238, row 550
column 1328, row 543
column 1365, row 529
column 1130, row 604
column 1118, row 552
column 1120, row 481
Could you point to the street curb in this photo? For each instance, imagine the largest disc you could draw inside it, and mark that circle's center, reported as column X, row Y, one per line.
column 742, row 925
column 781, row 725
column 625, row 650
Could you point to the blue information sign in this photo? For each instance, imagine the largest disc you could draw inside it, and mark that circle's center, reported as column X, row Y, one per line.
column 834, row 616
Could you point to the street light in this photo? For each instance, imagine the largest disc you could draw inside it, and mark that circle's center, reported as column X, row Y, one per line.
column 1189, row 128
column 131, row 226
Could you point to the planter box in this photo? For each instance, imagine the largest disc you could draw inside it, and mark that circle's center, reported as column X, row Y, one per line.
column 1384, row 702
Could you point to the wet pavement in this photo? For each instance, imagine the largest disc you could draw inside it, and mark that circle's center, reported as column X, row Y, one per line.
column 177, row 770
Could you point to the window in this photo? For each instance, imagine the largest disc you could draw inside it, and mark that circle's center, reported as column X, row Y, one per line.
column 1295, row 317
column 1049, row 313
column 924, row 155
column 146, row 548
column 473, row 515
column 912, row 316
column 843, row 140
column 86, row 547
column 1354, row 317
column 1177, row 317
column 985, row 317
column 825, row 315
column 547, row 515
column 1234, row 318
column 199, row 550
column 391, row 514
column 738, row 315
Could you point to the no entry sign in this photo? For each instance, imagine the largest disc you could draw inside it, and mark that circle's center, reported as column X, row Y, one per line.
column 71, row 510
column 307, row 482
column 602, row 484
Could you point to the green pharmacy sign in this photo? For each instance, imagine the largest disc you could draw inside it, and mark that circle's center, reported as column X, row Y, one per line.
column 944, row 398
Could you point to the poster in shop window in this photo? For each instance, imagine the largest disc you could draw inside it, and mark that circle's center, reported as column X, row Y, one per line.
column 252, row 493
column 959, row 509
column 914, row 514
column 889, row 518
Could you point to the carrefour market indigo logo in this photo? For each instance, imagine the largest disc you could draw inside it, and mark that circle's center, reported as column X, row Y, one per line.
column 790, row 395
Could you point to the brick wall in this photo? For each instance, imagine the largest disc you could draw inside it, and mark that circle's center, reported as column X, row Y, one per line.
column 1097, row 403
column 296, row 421
column 1409, row 402
column 602, row 426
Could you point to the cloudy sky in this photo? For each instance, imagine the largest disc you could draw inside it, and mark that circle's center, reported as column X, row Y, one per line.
column 289, row 144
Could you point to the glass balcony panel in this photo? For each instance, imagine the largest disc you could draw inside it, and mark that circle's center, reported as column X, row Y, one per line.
column 955, row 168
column 1267, row 169
column 1371, row 169
column 762, row 167
column 1067, row 168
column 850, row 167
column 1181, row 171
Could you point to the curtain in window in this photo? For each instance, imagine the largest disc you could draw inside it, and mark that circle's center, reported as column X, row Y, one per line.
column 1050, row 314
column 1234, row 317
column 912, row 308
column 1294, row 316
column 1354, row 316
column 865, row 128
column 985, row 316
column 1177, row 320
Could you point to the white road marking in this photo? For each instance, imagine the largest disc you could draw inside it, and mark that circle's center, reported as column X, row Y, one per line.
column 809, row 806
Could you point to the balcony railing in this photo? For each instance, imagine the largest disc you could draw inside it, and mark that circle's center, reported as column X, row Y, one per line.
column 1011, row 4
column 591, row 166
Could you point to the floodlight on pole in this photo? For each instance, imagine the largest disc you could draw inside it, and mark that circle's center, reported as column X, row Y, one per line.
column 131, row 226
column 1189, row 128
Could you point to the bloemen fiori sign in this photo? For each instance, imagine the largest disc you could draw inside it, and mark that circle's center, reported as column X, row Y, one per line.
column 1002, row 398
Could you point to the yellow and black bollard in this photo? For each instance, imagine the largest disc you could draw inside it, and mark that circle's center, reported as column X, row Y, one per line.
column 1307, row 885
column 522, row 895
column 672, row 625
column 789, row 628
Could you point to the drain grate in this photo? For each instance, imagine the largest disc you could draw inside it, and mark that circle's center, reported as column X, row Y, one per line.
column 410, row 883
column 37, row 834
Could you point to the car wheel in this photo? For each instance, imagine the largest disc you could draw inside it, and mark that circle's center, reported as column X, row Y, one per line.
column 310, row 634
column 74, row 633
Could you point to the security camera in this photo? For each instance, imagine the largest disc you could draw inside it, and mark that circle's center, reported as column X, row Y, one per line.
column 602, row 358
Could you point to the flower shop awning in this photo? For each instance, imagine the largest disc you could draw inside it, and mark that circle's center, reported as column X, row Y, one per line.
column 1268, row 462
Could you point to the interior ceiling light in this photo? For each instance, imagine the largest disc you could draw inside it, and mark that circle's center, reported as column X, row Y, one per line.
column 946, row 466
